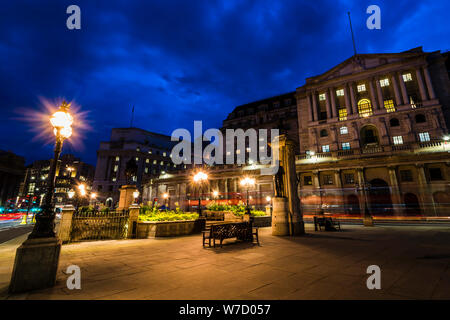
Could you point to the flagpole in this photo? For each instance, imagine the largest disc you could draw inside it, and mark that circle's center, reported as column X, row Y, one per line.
column 132, row 116
column 351, row 30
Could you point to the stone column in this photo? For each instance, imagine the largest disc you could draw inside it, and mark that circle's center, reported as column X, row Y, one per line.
column 311, row 110
column 333, row 103
column 339, row 192
column 379, row 94
column 133, row 221
column 396, row 195
column 429, row 83
column 65, row 223
column 352, row 96
column 398, row 98
column 126, row 196
column 424, row 196
column 373, row 95
column 347, row 100
column 328, row 104
column 364, row 199
column 314, row 105
column 423, row 94
column 403, row 88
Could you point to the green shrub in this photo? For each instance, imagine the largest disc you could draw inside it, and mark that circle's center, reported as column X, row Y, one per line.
column 153, row 214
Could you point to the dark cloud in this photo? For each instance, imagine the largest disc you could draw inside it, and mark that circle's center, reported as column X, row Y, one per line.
column 179, row 61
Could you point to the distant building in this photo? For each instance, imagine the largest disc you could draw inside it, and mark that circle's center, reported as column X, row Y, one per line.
column 70, row 172
column 150, row 151
column 12, row 170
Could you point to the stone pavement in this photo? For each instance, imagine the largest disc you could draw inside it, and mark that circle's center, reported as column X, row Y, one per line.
column 414, row 262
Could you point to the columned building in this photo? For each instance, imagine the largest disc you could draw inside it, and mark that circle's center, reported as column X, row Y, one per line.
column 376, row 136
column 12, row 170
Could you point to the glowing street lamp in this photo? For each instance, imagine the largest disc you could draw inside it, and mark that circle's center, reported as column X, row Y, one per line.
column 247, row 182
column 268, row 198
column 199, row 178
column 70, row 193
column 82, row 189
column 215, row 193
column 61, row 121
column 165, row 197
column 135, row 196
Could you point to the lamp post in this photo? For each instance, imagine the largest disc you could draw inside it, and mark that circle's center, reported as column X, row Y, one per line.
column 36, row 261
column 200, row 178
column 61, row 121
column 247, row 183
column 364, row 188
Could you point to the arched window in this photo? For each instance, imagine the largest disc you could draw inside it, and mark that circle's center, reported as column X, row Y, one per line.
column 420, row 118
column 364, row 108
column 323, row 133
column 394, row 122
column 369, row 135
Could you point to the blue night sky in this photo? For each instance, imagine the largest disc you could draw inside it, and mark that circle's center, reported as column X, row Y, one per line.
column 180, row 61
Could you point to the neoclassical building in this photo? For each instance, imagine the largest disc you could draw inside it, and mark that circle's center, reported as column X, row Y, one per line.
column 372, row 135
column 376, row 136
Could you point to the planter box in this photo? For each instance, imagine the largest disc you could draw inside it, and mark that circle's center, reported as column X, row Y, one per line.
column 152, row 229
column 263, row 221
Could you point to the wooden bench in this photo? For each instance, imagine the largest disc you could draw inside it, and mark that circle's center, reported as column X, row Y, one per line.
column 327, row 222
column 241, row 231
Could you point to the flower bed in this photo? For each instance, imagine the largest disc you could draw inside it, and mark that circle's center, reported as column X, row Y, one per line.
column 155, row 223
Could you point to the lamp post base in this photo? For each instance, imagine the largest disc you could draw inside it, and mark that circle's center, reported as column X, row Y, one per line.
column 35, row 265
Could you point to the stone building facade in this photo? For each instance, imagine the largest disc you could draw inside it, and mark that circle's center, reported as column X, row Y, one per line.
column 12, row 170
column 376, row 136
column 372, row 135
column 149, row 150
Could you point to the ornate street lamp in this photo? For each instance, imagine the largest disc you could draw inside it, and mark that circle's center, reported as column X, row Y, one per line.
column 247, row 183
column 200, row 178
column 61, row 121
column 215, row 194
column 135, row 196
column 364, row 188
column 165, row 197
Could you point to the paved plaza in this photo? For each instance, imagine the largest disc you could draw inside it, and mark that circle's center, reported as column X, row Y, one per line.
column 414, row 262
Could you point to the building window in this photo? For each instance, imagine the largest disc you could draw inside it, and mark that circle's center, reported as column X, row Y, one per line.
column 150, row 151
column 406, row 176
column 238, row 151
column 248, row 149
column 137, row 159
column 345, row 145
column 164, row 154
column 349, row 178
column 384, row 82
column 326, row 148
column 389, row 105
column 394, row 122
column 147, row 160
column 322, row 97
column 117, row 158
column 323, row 133
column 162, row 163
column 407, row 77
column 327, row 179
column 420, row 118
column 114, row 179
column 435, row 174
column 146, row 170
column 342, row 114
column 340, row 92
column 276, row 104
column 424, row 136
column 398, row 140
column 307, row 180
column 364, row 108
column 116, row 167
column 344, row 130
column 361, row 87
column 155, row 162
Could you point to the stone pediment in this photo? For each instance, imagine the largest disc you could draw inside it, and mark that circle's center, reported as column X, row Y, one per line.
column 363, row 62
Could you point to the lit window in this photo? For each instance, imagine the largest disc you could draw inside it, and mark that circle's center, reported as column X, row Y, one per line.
column 326, row 148
column 114, row 179
column 389, row 105
column 164, row 154
column 407, row 77
column 345, row 145
column 146, row 170
column 344, row 130
column 364, row 108
column 228, row 153
column 150, row 151
column 162, row 163
column 322, row 97
column 238, row 151
column 398, row 140
column 384, row 82
column 117, row 158
column 327, row 179
column 340, row 92
column 147, row 160
column 361, row 87
column 116, row 167
column 261, row 148
column 342, row 114
column 155, row 162
column 424, row 136
column 137, row 159
column 248, row 149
